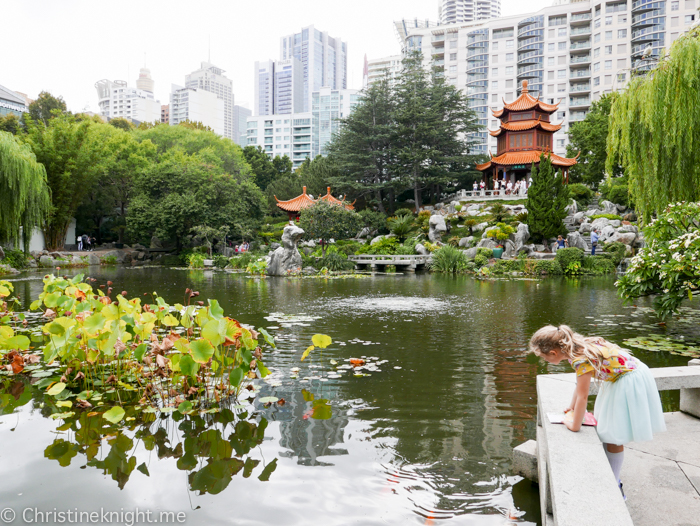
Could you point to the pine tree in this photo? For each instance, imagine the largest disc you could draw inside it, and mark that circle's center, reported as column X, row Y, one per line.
column 547, row 199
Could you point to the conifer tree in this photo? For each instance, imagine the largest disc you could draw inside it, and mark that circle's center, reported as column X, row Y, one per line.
column 547, row 199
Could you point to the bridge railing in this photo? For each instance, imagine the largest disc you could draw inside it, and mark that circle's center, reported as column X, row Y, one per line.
column 573, row 471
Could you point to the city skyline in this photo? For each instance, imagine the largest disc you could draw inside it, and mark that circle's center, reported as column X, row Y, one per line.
column 70, row 66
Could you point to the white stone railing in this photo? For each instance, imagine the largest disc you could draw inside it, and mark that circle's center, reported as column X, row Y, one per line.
column 573, row 471
column 383, row 259
column 471, row 195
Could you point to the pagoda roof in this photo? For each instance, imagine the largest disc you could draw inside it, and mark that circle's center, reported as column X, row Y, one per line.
column 297, row 204
column 332, row 200
column 305, row 201
column 526, row 157
column 525, row 125
column 524, row 103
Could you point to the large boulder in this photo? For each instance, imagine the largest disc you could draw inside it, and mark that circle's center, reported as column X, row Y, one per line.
column 615, row 223
column 593, row 212
column 379, row 238
column 631, row 216
column 522, row 235
column 139, row 246
column 585, row 228
column 421, row 250
column 576, row 240
column 474, row 208
column 466, row 241
column 628, row 228
column 607, row 232
column 579, row 217
column 437, row 228
column 480, row 227
column 609, row 207
column 572, row 208
column 47, row 261
column 156, row 243
column 526, row 249
column 287, row 257
column 487, row 243
column 509, row 249
column 600, row 223
column 364, row 233
column 626, row 238
column 471, row 252
column 93, row 260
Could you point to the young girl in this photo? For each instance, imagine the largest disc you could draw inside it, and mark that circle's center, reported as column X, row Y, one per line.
column 628, row 407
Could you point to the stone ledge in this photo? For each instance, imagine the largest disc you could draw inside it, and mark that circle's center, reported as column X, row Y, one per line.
column 525, row 460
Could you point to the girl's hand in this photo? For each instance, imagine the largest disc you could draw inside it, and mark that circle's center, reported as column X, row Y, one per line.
column 570, row 408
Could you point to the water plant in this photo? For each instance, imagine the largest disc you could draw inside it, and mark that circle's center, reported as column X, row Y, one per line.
column 448, row 259
column 108, row 260
column 257, row 267
column 196, row 260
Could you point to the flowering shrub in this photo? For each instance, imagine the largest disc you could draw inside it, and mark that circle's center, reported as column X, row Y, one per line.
column 668, row 266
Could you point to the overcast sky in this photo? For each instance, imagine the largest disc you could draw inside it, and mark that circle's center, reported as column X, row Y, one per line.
column 65, row 46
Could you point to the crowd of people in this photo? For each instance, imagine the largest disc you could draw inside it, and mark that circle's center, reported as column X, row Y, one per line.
column 86, row 243
column 503, row 187
column 244, row 247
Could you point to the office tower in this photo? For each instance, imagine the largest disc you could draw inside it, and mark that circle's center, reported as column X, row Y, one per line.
column 264, row 88
column 460, row 11
column 288, row 86
column 323, row 59
column 240, row 123
column 117, row 99
column 197, row 105
column 327, row 108
column 211, row 78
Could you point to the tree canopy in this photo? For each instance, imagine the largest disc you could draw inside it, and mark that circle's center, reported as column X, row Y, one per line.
column 547, row 199
column 325, row 222
column 655, row 130
column 24, row 195
column 46, row 106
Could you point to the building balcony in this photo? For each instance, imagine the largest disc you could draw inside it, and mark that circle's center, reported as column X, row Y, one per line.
column 580, row 47
column 645, row 5
column 579, row 101
column 580, row 59
column 648, row 18
column 580, row 88
column 531, row 57
column 577, row 116
column 651, row 34
column 580, row 73
column 435, row 39
column 533, row 26
column 578, row 33
column 526, row 45
column 580, row 18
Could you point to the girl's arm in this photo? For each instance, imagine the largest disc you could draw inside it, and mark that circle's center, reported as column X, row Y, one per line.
column 583, row 383
column 573, row 403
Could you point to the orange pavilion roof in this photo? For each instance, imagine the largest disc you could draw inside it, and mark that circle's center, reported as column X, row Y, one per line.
column 525, row 125
column 296, row 204
column 305, row 201
column 527, row 157
column 526, row 102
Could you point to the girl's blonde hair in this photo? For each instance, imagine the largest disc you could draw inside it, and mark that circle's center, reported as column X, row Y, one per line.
column 574, row 345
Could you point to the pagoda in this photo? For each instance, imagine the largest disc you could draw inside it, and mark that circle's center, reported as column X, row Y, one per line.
column 524, row 134
column 293, row 207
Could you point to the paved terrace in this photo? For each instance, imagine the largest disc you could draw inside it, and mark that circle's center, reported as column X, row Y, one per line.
column 661, row 477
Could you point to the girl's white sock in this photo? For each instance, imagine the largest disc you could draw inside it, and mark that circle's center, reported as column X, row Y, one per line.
column 615, row 460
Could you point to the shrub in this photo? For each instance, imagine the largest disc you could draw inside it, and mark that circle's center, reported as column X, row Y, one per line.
column 470, row 224
column 220, row 261
column 501, row 232
column 521, row 217
column 458, row 208
column 242, row 261
column 616, row 190
column 598, row 265
column 196, row 260
column 404, row 250
column 616, row 251
column 257, row 268
column 401, row 226
column 567, row 256
column 454, row 241
column 612, row 217
column 348, row 247
column 503, row 266
column 499, row 211
column 432, row 247
column 486, row 252
column 580, row 193
column 112, row 260
column 423, row 217
column 480, row 260
column 373, row 220
column 403, row 212
column 336, row 261
column 548, row 266
column 448, row 259
column 15, row 258
column 383, row 246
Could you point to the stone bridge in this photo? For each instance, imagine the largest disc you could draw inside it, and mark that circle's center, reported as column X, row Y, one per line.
column 379, row 262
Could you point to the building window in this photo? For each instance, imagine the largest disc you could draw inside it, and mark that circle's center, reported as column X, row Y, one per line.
column 561, row 32
column 596, row 23
column 560, row 143
column 596, row 37
column 550, row 75
column 608, row 50
column 509, row 83
column 622, row 33
column 550, row 46
column 621, row 19
column 675, row 21
column 596, row 52
column 509, row 56
column 608, row 20
column 562, row 46
column 622, row 48
column 608, row 80
column 608, row 35
column 509, row 44
column 621, row 77
column 614, row 8
column 561, row 114
column 453, row 44
column 453, row 56
column 550, row 61
column 494, row 124
column 550, row 88
column 596, row 81
column 494, row 46
column 494, row 59
column 596, row 66
column 689, row 19
column 674, row 5
column 494, row 84
column 561, row 88
column 608, row 64
column 494, row 97
column 550, row 33
column 562, row 60
column 561, row 74
column 509, row 70
column 621, row 63
column 494, row 72
column 453, row 69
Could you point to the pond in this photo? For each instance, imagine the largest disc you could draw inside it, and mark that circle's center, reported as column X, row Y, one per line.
column 422, row 435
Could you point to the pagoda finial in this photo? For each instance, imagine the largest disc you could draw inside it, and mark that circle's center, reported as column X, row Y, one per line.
column 304, row 189
column 525, row 90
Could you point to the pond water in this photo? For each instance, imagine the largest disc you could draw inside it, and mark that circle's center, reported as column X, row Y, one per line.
column 425, row 437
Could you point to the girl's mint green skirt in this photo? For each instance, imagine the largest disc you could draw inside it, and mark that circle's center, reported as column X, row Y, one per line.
column 629, row 410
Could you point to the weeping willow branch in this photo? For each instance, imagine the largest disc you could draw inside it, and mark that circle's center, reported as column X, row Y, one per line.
column 655, row 130
column 24, row 195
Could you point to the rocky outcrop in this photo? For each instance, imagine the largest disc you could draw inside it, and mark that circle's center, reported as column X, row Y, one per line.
column 466, row 241
column 437, row 228
column 608, row 207
column 471, row 252
column 572, row 208
column 576, row 240
column 287, row 257
column 379, row 238
column 487, row 243
column 521, row 236
column 421, row 250
column 509, row 249
column 626, row 238
column 156, row 243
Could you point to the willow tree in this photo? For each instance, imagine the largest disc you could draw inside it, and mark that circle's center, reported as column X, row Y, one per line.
column 24, row 195
column 655, row 130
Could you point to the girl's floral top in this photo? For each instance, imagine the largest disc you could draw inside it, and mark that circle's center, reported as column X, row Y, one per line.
column 616, row 362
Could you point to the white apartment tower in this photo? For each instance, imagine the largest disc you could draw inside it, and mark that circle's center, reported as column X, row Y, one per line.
column 211, row 78
column 197, row 105
column 117, row 99
column 378, row 68
column 323, row 59
column 570, row 53
column 461, row 11
column 279, row 87
column 264, row 88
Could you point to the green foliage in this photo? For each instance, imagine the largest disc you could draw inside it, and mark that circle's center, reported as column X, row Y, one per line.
column 522, row 217
column 24, row 194
column 403, row 212
column 616, row 190
column 122, row 124
column 668, row 267
column 15, row 258
column 373, row 220
column 480, row 260
column 470, row 224
column 108, row 260
column 506, row 266
column 589, row 138
column 221, row 261
column 580, row 192
column 264, row 171
column 401, row 226
column 209, row 235
column 242, row 261
column 547, row 200
column 10, row 123
column 448, row 259
column 616, row 251
column 316, row 176
column 196, row 260
column 347, row 247
column 383, row 246
column 257, row 267
column 325, row 221
column 335, row 261
column 612, row 217
column 501, row 232
column 486, row 252
column 549, row 267
column 598, row 265
column 567, row 256
column 46, row 107
column 655, row 130
column 498, row 212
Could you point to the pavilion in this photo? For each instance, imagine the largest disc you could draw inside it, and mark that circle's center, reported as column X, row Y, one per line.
column 524, row 134
column 293, row 207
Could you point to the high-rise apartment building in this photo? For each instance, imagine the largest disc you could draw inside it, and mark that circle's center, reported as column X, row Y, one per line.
column 117, row 99
column 323, row 59
column 460, row 11
column 165, row 114
column 240, row 123
column 328, row 106
column 281, row 135
column 197, row 105
column 571, row 52
column 211, row 78
column 279, row 87
column 264, row 91
column 379, row 67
